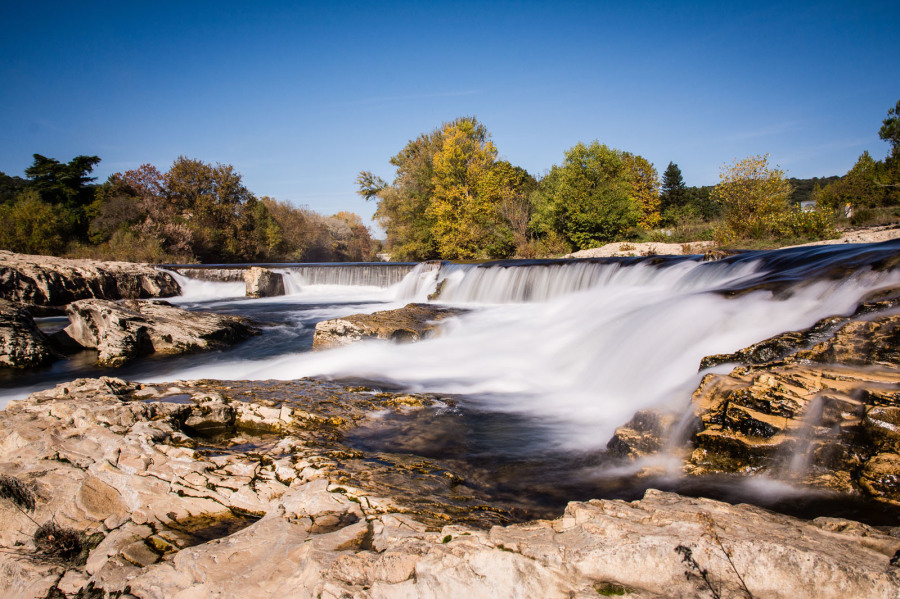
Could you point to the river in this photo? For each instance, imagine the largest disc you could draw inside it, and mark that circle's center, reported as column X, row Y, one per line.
column 551, row 357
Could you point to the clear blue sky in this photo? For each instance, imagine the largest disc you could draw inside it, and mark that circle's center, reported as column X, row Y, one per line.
column 301, row 96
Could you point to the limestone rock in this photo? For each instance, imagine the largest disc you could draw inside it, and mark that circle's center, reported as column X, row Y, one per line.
column 50, row 281
column 819, row 407
column 645, row 434
column 176, row 519
column 205, row 273
column 262, row 282
column 410, row 323
column 125, row 330
column 22, row 344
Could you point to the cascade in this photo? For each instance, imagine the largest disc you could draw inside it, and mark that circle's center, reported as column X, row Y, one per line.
column 374, row 274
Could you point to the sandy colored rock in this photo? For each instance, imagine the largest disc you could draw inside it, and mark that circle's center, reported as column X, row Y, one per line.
column 121, row 331
column 410, row 323
column 22, row 344
column 262, row 282
column 175, row 526
column 624, row 249
column 51, row 281
column 819, row 407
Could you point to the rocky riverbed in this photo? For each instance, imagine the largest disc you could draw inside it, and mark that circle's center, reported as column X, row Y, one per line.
column 217, row 489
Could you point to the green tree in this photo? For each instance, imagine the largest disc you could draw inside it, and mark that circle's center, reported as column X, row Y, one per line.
column 588, row 200
column 32, row 226
column 854, row 191
column 890, row 130
column 66, row 186
column 673, row 192
column 10, row 187
column 403, row 205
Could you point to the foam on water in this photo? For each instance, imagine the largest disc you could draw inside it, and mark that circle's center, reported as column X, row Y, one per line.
column 626, row 336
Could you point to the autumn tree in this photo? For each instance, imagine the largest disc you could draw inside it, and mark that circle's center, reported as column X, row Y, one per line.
column 467, row 194
column 449, row 196
column 644, row 184
column 753, row 196
column 754, row 199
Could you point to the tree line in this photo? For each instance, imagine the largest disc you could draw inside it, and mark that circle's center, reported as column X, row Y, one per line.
column 452, row 198
column 193, row 212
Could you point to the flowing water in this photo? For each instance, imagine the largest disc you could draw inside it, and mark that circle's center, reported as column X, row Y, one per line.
column 551, row 357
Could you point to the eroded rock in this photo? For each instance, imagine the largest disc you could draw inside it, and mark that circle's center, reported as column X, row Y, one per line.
column 262, row 282
column 645, row 434
column 179, row 518
column 820, row 406
column 121, row 331
column 410, row 323
column 50, row 281
column 22, row 344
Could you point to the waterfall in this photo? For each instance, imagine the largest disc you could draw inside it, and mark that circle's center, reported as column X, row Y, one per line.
column 579, row 346
column 375, row 274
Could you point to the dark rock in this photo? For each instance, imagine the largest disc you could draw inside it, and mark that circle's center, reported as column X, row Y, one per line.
column 645, row 434
column 410, row 323
column 22, row 344
column 125, row 330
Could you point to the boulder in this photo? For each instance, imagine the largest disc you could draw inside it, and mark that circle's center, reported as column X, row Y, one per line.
column 22, row 344
column 410, row 323
column 121, row 331
column 645, row 434
column 156, row 513
column 50, row 281
column 262, row 282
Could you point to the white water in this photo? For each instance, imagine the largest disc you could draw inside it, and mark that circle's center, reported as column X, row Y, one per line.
column 581, row 346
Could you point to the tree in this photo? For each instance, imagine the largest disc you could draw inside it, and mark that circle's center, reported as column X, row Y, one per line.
column 464, row 205
column 589, row 200
column 890, row 130
column 753, row 196
column 66, row 186
column 32, row 226
column 403, row 204
column 673, row 192
column 448, row 195
column 644, row 188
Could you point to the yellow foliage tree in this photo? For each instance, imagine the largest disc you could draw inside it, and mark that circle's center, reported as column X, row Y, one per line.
column 754, row 199
column 466, row 194
column 644, row 188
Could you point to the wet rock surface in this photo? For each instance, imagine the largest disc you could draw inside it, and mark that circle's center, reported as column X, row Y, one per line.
column 22, row 344
column 239, row 489
column 410, row 323
column 122, row 331
column 50, row 281
column 821, row 406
